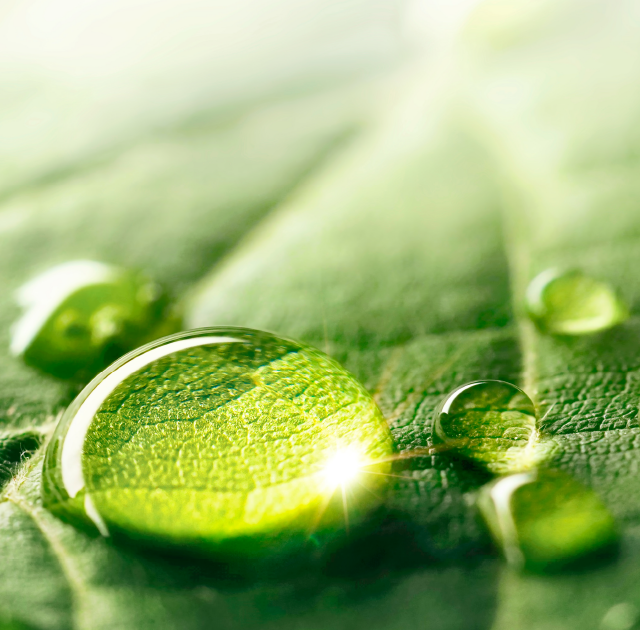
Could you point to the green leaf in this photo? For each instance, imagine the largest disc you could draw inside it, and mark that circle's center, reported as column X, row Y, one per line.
column 435, row 346
column 566, row 148
column 402, row 258
column 221, row 175
column 15, row 447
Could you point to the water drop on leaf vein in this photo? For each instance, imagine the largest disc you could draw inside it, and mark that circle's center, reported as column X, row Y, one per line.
column 225, row 440
column 573, row 303
column 545, row 519
column 492, row 423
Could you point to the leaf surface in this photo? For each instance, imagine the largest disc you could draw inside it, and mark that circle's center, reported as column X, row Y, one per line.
column 405, row 256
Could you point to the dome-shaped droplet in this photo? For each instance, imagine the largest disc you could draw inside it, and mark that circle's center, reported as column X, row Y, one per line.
column 490, row 422
column 546, row 519
column 225, row 440
column 572, row 303
column 82, row 315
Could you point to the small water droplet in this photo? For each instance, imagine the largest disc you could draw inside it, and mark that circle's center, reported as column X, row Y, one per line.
column 572, row 303
column 81, row 315
column 492, row 423
column 544, row 520
column 224, row 440
column 622, row 616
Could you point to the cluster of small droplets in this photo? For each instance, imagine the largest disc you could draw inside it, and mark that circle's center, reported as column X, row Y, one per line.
column 541, row 518
column 246, row 435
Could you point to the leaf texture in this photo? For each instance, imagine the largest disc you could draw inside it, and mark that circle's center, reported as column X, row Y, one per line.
column 405, row 257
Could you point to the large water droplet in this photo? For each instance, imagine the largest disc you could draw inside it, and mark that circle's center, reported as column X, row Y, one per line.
column 490, row 422
column 545, row 520
column 225, row 440
column 572, row 303
column 82, row 315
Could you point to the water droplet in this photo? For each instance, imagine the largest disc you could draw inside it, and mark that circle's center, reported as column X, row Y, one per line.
column 622, row 616
column 492, row 423
column 81, row 315
column 545, row 520
column 572, row 303
column 225, row 440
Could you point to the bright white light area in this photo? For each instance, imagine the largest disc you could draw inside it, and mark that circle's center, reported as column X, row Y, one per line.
column 342, row 469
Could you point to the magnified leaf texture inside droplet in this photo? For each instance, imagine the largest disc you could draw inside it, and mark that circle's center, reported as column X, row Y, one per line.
column 572, row 303
column 226, row 440
column 82, row 315
column 546, row 519
column 490, row 422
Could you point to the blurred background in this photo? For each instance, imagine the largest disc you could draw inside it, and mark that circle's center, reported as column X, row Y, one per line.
column 80, row 79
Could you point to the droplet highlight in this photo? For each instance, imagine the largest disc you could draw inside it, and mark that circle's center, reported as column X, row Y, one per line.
column 546, row 520
column 226, row 441
column 573, row 303
column 82, row 315
column 492, row 423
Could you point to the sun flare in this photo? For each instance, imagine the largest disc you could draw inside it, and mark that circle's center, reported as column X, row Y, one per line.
column 342, row 469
